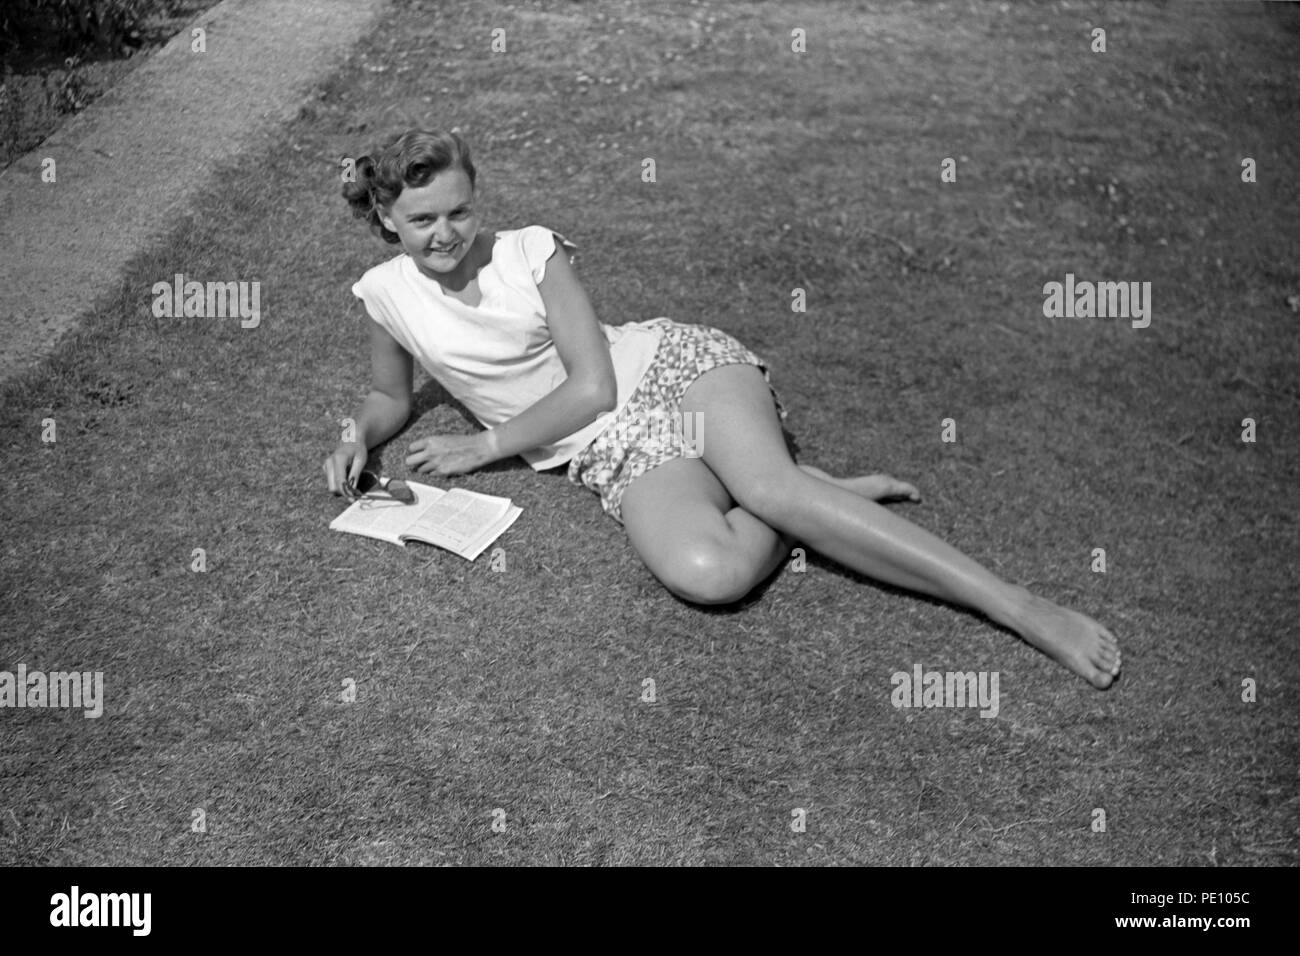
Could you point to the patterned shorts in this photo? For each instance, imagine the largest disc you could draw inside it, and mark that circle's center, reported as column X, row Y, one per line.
column 651, row 428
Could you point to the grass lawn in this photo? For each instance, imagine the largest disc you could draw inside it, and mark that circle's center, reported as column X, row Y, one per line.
column 478, row 690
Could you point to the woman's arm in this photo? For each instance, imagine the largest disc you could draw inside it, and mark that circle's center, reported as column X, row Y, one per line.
column 388, row 405
column 590, row 388
column 384, row 411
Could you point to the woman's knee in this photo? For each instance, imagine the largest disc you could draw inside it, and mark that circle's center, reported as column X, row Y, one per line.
column 709, row 572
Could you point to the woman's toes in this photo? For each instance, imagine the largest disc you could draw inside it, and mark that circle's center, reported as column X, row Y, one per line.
column 882, row 487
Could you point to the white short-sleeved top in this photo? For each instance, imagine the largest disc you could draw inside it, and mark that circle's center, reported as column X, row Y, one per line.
column 498, row 358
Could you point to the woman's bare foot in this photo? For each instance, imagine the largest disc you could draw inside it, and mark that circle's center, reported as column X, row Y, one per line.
column 1071, row 639
column 874, row 487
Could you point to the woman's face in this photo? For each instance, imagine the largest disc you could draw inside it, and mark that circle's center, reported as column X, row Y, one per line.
column 436, row 222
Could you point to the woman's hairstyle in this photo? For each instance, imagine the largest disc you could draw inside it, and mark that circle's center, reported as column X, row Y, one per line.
column 412, row 158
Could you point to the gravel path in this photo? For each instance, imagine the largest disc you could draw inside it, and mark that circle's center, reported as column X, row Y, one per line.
column 134, row 158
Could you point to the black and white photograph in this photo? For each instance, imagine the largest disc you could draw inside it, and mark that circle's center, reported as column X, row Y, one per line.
column 682, row 434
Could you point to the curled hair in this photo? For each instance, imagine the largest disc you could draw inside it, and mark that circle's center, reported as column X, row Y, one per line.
column 412, row 158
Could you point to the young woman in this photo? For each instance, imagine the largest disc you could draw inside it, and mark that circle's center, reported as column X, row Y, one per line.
column 712, row 505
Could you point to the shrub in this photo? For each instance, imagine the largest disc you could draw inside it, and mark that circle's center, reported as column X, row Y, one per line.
column 76, row 25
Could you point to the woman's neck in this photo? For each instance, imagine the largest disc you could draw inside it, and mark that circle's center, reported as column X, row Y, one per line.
column 466, row 270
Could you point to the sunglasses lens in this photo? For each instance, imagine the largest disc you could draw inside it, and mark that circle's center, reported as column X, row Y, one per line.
column 398, row 489
column 367, row 482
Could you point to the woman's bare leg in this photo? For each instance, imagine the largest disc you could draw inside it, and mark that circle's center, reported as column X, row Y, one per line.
column 742, row 444
column 875, row 487
column 693, row 537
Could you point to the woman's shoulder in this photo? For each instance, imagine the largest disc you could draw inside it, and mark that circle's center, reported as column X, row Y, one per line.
column 529, row 248
column 382, row 275
column 528, row 237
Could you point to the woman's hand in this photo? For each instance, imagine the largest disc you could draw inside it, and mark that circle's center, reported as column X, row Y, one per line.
column 450, row 454
column 345, row 465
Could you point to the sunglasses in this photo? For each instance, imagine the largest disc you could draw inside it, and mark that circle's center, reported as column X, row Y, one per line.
column 367, row 484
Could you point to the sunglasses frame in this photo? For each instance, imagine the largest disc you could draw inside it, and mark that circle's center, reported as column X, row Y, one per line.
column 368, row 481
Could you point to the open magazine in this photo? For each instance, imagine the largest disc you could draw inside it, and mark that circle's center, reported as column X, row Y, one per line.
column 463, row 522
